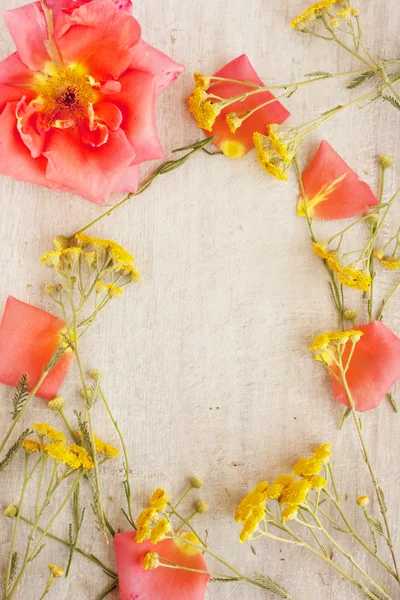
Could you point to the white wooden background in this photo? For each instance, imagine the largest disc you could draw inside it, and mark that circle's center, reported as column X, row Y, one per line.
column 205, row 362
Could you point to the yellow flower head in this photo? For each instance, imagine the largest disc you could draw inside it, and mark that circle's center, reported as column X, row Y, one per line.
column 142, row 534
column 390, row 262
column 295, row 493
column 268, row 159
column 323, row 452
column 312, row 13
column 362, row 501
column 146, row 517
column 114, row 291
column 130, row 272
column 117, row 253
column 159, row 500
column 335, row 23
column 345, row 13
column 353, row 278
column 188, row 549
column 85, row 460
column 45, row 430
column 284, row 480
column 289, row 513
column 57, row 403
column 274, row 491
column 201, row 81
column 279, row 145
column 160, row 531
column 60, row 452
column 320, row 249
column 204, row 111
column 335, row 338
column 306, row 467
column 30, row 446
column 151, row 561
column 51, row 259
column 316, row 482
column 56, row 571
column 104, row 448
column 233, row 121
column 251, row 523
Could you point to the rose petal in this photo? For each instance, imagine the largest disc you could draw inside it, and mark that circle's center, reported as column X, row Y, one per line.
column 98, row 37
column 91, row 172
column 129, row 180
column 28, row 338
column 15, row 80
column 137, row 104
column 15, row 158
column 333, row 190
column 26, row 119
column 160, row 583
column 241, row 69
column 109, row 113
column 149, row 59
column 374, row 367
column 28, row 29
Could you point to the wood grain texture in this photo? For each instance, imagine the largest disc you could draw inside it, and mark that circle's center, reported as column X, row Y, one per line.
column 206, row 363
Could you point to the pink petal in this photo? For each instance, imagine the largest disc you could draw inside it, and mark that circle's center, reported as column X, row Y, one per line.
column 15, row 158
column 99, row 37
column 15, row 80
column 26, row 119
column 129, row 180
column 137, row 104
column 70, row 5
column 374, row 367
column 110, row 87
column 28, row 338
column 157, row 584
column 341, row 191
column 109, row 114
column 241, row 69
column 149, row 59
column 28, row 29
column 90, row 172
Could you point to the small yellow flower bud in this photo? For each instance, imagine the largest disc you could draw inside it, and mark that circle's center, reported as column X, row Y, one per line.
column 57, row 403
column 362, row 501
column 201, row 507
column 151, row 561
column 49, row 289
column 61, row 242
column 373, row 218
column 195, row 482
column 56, row 571
column 350, row 314
column 379, row 254
column 335, row 23
column 114, row 291
column 11, row 511
column 95, row 374
column 233, row 122
column 355, row 12
column 355, row 337
column 386, row 161
column 100, row 288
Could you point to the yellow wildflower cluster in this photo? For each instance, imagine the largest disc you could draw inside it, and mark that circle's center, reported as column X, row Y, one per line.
column 335, row 338
column 311, row 14
column 151, row 561
column 118, row 254
column 45, row 430
column 233, row 121
column 63, row 261
column 111, row 289
column 72, row 456
column 268, row 157
column 204, row 111
column 102, row 447
column 348, row 12
column 201, row 81
column 347, row 275
column 149, row 523
column 287, row 490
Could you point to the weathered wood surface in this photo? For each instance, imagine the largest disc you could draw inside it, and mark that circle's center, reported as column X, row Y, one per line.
column 205, row 363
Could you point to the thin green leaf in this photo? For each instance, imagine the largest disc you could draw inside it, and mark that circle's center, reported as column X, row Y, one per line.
column 12, row 451
column 20, row 395
column 271, row 585
column 392, row 101
column 318, row 74
column 360, row 79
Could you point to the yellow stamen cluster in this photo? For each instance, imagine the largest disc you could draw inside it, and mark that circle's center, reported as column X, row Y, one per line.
column 268, row 158
column 204, row 111
column 45, row 430
column 311, row 14
column 335, row 338
column 201, row 81
column 86, row 461
column 307, row 467
column 289, row 513
column 56, row 571
column 104, row 448
column 60, row 452
column 322, row 453
column 251, row 510
column 347, row 275
column 316, row 482
column 30, row 446
column 296, row 493
column 149, row 524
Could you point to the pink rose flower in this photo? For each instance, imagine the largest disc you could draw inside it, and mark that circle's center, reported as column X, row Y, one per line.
column 77, row 107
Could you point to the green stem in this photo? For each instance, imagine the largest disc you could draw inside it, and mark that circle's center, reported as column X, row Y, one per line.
column 90, row 557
